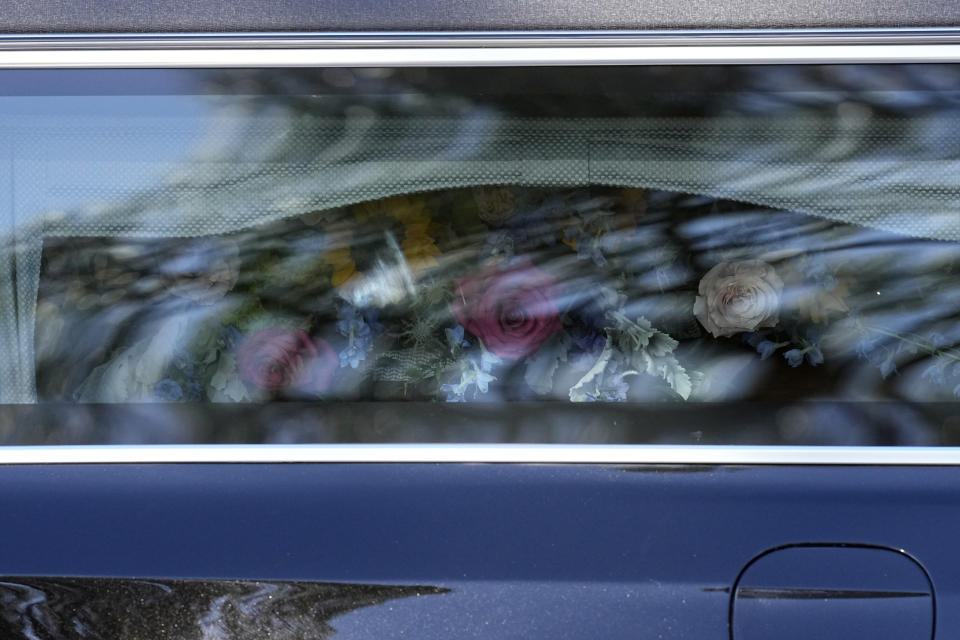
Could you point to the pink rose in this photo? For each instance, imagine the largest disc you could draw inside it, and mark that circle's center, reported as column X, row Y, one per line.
column 512, row 311
column 282, row 358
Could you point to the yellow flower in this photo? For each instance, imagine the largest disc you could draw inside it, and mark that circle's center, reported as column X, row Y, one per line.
column 342, row 263
column 419, row 248
column 402, row 208
column 408, row 211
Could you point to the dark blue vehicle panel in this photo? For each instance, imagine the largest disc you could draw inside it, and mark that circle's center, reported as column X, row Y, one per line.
column 497, row 550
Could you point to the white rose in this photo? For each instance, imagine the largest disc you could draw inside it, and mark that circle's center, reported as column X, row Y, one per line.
column 738, row 296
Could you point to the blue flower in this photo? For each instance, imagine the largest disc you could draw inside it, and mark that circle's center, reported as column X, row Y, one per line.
column 498, row 243
column 352, row 355
column 483, row 380
column 794, row 357
column 229, row 338
column 455, row 338
column 888, row 368
column 818, row 269
column 475, row 376
column 371, row 317
column 612, row 389
column 193, row 392
column 454, row 393
column 766, row 349
column 587, row 339
column 753, row 339
column 935, row 374
column 168, row 390
column 865, row 348
column 487, row 360
column 591, row 248
column 183, row 361
column 359, row 330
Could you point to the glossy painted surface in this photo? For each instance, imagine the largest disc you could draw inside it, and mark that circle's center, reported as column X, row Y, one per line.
column 525, row 551
column 833, row 592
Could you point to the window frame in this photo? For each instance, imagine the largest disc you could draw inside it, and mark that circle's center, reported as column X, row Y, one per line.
column 446, row 49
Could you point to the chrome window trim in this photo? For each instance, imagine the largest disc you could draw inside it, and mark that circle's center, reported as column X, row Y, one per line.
column 479, row 49
column 407, row 39
column 484, row 453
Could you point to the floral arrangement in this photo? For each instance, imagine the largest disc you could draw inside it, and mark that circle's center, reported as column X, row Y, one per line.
column 494, row 293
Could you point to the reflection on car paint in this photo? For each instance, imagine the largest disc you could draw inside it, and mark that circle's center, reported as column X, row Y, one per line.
column 129, row 609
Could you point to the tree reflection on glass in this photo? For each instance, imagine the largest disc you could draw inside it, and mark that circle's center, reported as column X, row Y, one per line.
column 299, row 240
column 139, row 609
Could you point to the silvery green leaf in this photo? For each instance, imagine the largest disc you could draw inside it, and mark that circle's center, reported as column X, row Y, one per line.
column 669, row 369
column 544, row 363
column 581, row 391
column 677, row 377
column 661, row 344
column 225, row 384
column 158, row 351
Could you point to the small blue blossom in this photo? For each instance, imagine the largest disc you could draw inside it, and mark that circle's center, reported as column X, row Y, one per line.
column 766, row 349
column 352, row 355
column 483, row 380
column 454, row 393
column 935, row 374
column 488, row 360
column 591, row 231
column 455, row 338
column 193, row 392
column 887, row 368
column 358, row 329
column 475, row 377
column 229, row 338
column 587, row 339
column 794, row 357
column 591, row 249
column 183, row 361
column 819, row 270
column 753, row 339
column 168, row 390
column 938, row 340
column 499, row 243
column 614, row 390
column 865, row 348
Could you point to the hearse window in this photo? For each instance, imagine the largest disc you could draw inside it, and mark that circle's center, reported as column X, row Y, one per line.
column 752, row 254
